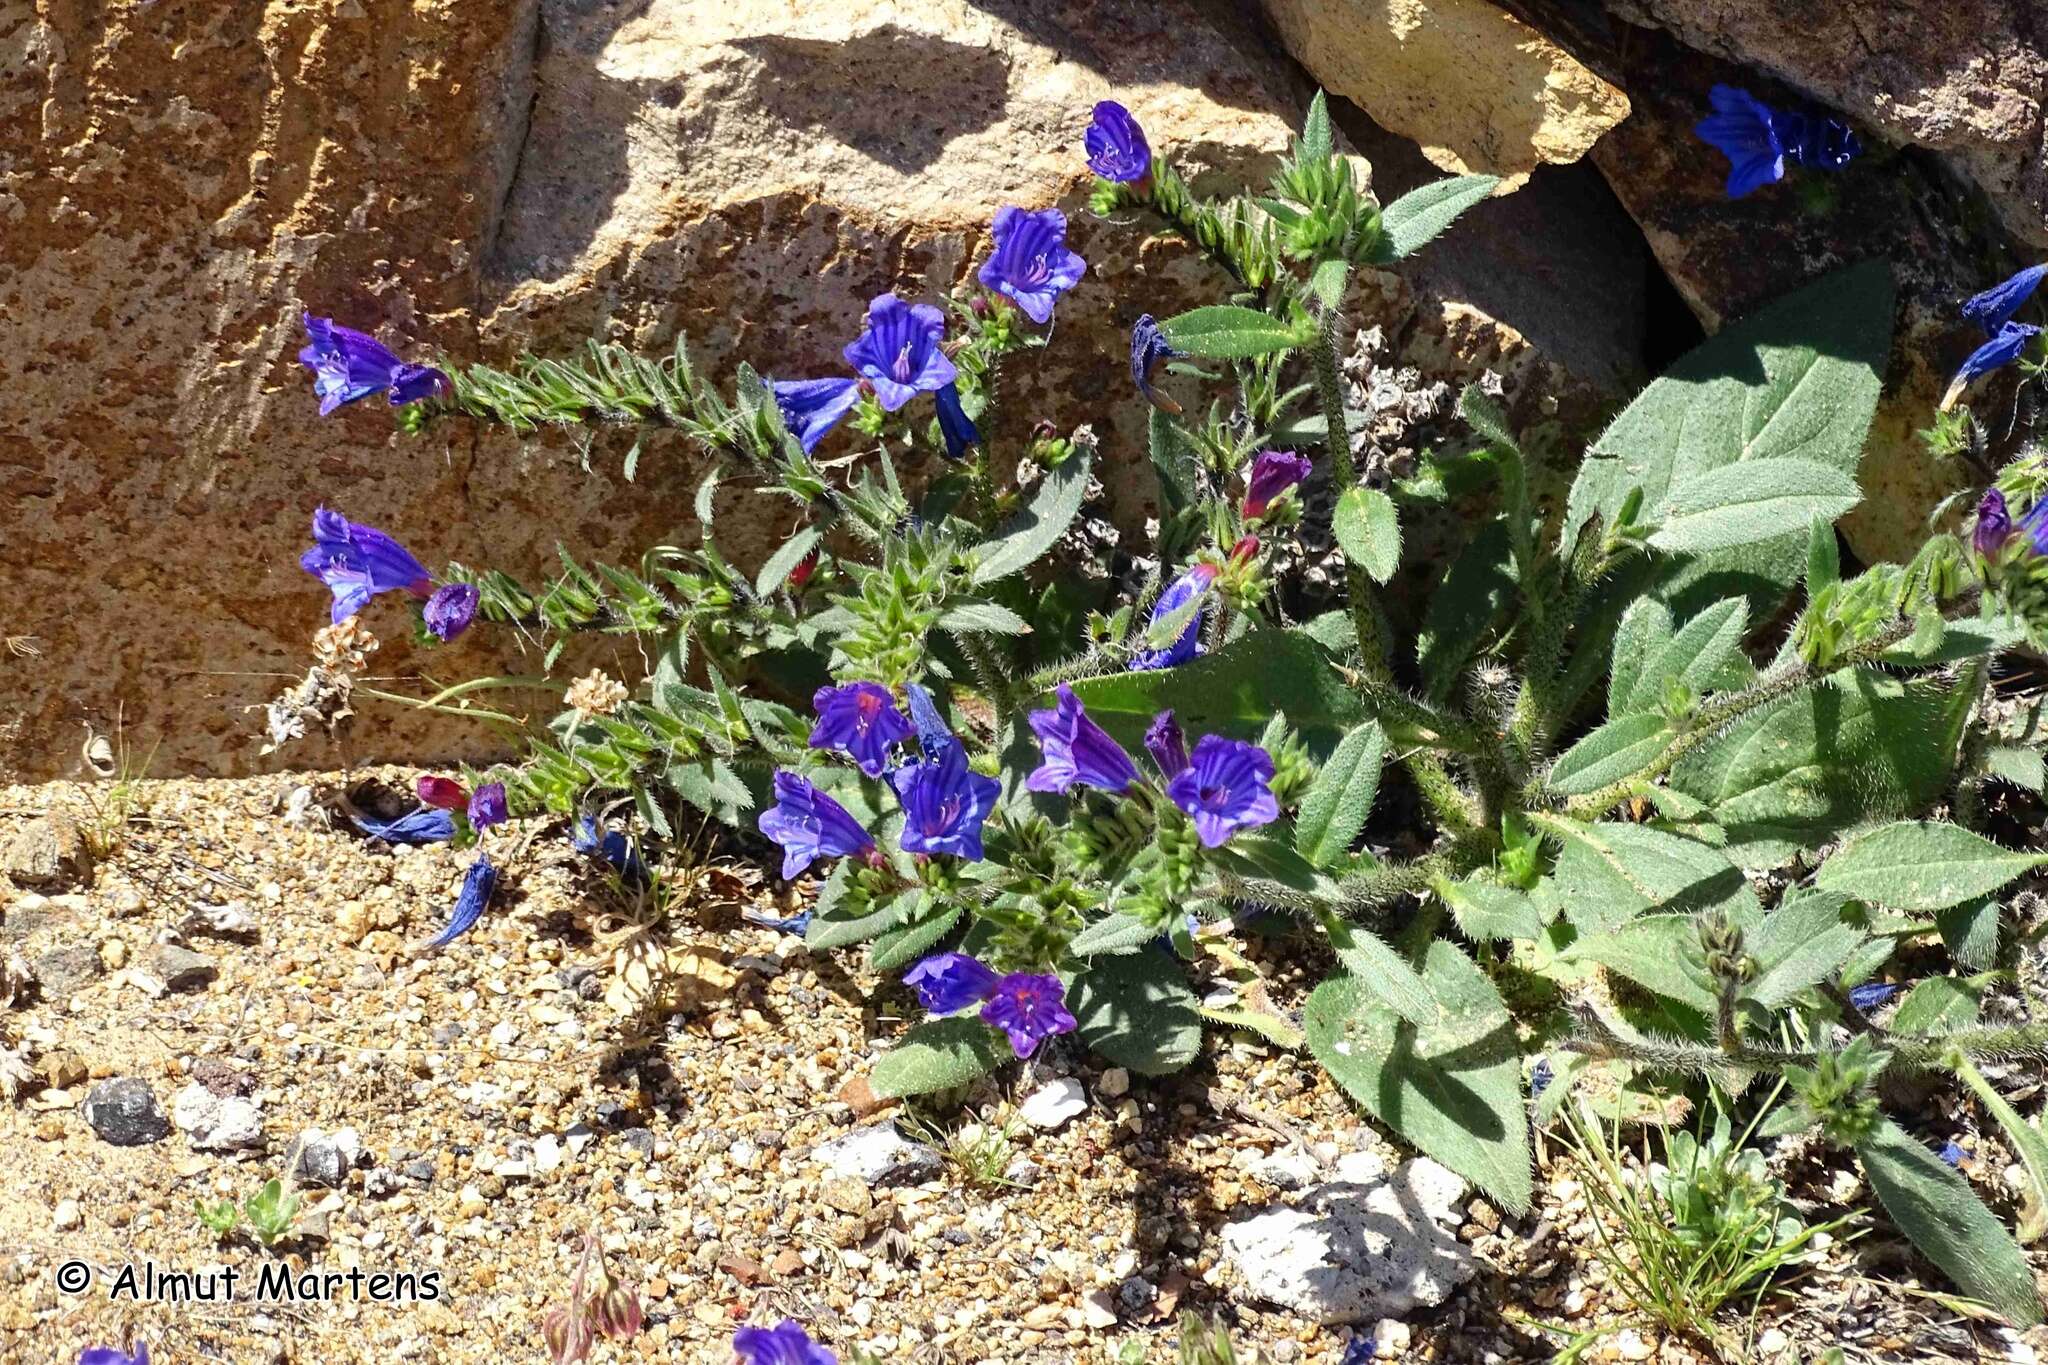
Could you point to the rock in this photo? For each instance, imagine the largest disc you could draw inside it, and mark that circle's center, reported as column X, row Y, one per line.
column 325, row 1159
column 61, row 1068
column 214, row 1123
column 856, row 1094
column 47, row 854
column 380, row 1182
column 62, row 971
column 124, row 1112
column 179, row 969
column 1022, row 1172
column 847, row 1194
column 1479, row 89
column 1960, row 77
column 67, row 1217
column 879, row 1155
column 1390, row 1338
column 1286, row 1169
column 547, row 1153
column 1115, row 1083
column 1051, row 1105
column 1098, row 1309
column 1354, row 1252
column 1136, row 1294
column 222, row 1078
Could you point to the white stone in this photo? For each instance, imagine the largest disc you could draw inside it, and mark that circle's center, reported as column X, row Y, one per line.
column 1361, row 1168
column 1052, row 1105
column 67, row 1216
column 213, row 1123
column 1389, row 1338
column 1354, row 1251
column 1098, row 1309
column 1290, row 1168
column 1115, row 1081
column 879, row 1155
column 547, row 1153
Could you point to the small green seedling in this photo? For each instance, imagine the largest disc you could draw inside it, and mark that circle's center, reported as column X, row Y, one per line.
column 219, row 1218
column 271, row 1212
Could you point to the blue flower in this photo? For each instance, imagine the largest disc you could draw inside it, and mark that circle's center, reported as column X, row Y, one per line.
column 1993, row 310
column 947, row 983
column 487, row 806
column 1273, row 473
column 1869, row 997
column 348, row 365
column 932, row 735
column 812, row 407
column 810, row 825
column 422, row 826
column 1116, row 145
column 1150, row 350
column 357, row 562
column 1077, row 750
column 1189, row 587
column 798, row 924
column 2034, row 525
column 1031, row 264
column 954, row 423
column 1029, row 1007
column 450, row 610
column 1167, row 745
column 612, row 846
column 1224, row 788
column 477, row 885
column 861, row 720
column 1359, row 1350
column 786, row 1343
column 898, row 352
column 1540, row 1078
column 1952, row 1155
column 110, row 1355
column 944, row 804
column 1757, row 139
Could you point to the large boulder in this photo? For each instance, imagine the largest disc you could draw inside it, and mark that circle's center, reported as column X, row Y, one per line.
column 179, row 180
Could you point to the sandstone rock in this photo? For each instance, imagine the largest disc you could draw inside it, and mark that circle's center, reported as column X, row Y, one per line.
column 47, row 854
column 1477, row 88
column 1962, row 77
column 1355, row 1252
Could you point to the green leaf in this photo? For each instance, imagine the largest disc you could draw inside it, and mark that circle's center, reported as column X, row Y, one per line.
column 1938, row 1004
column 1613, row 871
column 1137, row 1010
column 1382, row 971
column 776, row 571
column 1037, row 528
column 1419, row 215
column 906, row 943
column 1462, row 612
column 1704, row 655
column 1660, row 953
column 1935, row 1206
column 1454, row 1090
column 1922, row 865
column 1799, row 945
column 1224, row 331
column 1316, row 141
column 1368, row 529
column 938, row 1054
column 1180, row 476
column 1327, row 283
column 1616, row 750
column 1336, row 807
column 987, row 617
column 1970, row 931
column 1487, row 911
column 1823, row 556
column 1234, row 691
column 1112, row 934
column 1801, row 771
column 1798, row 380
column 2027, row 1143
column 1748, row 502
column 2024, row 768
column 1645, row 629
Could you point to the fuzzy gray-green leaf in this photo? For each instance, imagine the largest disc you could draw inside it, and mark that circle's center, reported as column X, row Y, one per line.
column 938, row 1054
column 1336, row 807
column 1922, row 865
column 1037, row 528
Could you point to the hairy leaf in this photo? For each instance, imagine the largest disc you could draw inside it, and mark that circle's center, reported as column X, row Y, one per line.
column 1704, row 655
column 1753, row 501
column 1234, row 691
column 1112, row 934
column 1465, row 607
column 1336, row 807
column 1970, row 931
column 1922, row 865
column 1612, row 871
column 783, row 562
column 1935, row 1206
column 1616, row 750
column 1799, row 945
column 938, row 1054
column 1368, row 530
column 1419, row 215
column 1487, row 911
column 1136, row 1009
column 1224, row 331
column 1019, row 542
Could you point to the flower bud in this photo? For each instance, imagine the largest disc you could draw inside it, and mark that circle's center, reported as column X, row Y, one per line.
column 617, row 1311
column 567, row 1333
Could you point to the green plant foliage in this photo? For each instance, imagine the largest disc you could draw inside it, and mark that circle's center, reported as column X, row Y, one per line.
column 1934, row 1206
column 1922, row 865
column 937, row 1055
column 1136, row 1010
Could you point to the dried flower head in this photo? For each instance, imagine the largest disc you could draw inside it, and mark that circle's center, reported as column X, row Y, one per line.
column 595, row 694
column 345, row 646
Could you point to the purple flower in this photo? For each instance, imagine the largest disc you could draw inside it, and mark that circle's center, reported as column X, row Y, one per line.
column 1540, row 1077
column 111, row 1355
column 944, row 804
column 1997, row 305
column 954, row 423
column 1224, row 788
column 1116, row 145
column 487, row 806
column 1869, row 997
column 1031, row 264
column 1077, row 750
column 860, row 719
column 357, row 562
column 442, row 792
column 1994, row 523
column 1952, row 1155
column 450, row 610
column 1167, row 745
column 1819, row 144
column 1149, row 350
column 2034, row 525
column 477, row 885
column 932, row 735
column 798, row 924
column 1757, row 139
column 1028, row 1006
column 899, row 351
column 947, row 983
column 612, row 846
column 423, row 826
column 1993, row 310
column 1273, row 473
column 812, row 407
column 348, row 365
column 786, row 1343
column 810, row 825
column 1189, row 587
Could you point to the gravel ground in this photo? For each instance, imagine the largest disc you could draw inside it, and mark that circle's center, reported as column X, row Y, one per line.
column 513, row 1093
